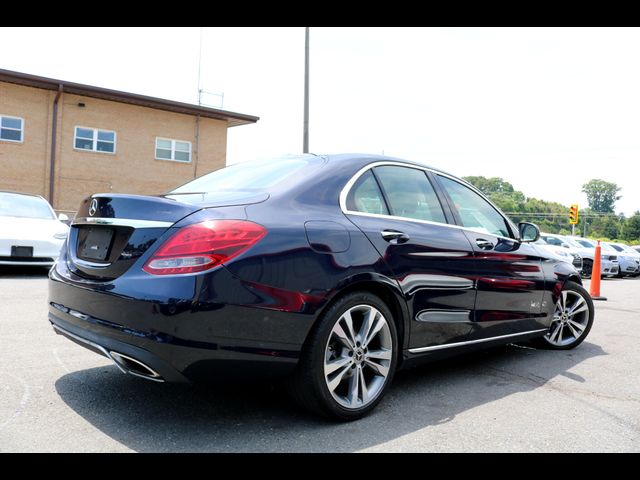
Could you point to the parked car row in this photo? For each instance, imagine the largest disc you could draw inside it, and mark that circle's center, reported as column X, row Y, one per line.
column 616, row 259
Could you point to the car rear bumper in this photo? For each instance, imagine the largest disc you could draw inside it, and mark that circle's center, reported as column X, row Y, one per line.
column 176, row 337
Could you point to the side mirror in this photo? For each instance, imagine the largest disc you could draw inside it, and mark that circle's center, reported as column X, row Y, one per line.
column 565, row 245
column 529, row 232
column 63, row 217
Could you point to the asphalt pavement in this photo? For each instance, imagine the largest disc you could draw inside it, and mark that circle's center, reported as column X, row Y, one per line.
column 58, row 397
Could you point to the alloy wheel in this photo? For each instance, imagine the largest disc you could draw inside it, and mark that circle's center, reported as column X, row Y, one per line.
column 570, row 319
column 358, row 356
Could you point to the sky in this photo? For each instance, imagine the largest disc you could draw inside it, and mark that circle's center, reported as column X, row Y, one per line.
column 547, row 109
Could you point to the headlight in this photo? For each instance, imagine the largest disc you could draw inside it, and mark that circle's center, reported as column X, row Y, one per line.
column 61, row 235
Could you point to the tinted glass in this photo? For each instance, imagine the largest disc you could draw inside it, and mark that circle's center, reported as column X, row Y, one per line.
column 410, row 194
column 254, row 175
column 7, row 134
column 105, row 147
column 161, row 153
column 365, row 196
column 11, row 123
column 586, row 243
column 84, row 143
column 182, row 156
column 14, row 205
column 553, row 241
column 107, row 136
column 475, row 212
column 84, row 133
column 620, row 249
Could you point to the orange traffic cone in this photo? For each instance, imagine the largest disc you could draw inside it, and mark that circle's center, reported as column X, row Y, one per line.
column 594, row 288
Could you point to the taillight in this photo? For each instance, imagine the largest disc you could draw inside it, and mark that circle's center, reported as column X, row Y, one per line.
column 199, row 247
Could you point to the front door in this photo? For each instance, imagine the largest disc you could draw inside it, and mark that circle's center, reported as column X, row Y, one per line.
column 399, row 211
column 510, row 281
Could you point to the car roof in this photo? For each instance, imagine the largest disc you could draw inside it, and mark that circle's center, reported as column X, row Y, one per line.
column 22, row 193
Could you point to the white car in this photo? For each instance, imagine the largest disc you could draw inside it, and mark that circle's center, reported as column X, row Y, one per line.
column 30, row 232
column 608, row 256
column 629, row 260
column 559, row 246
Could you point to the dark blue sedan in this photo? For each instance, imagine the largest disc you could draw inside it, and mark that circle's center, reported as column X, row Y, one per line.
column 333, row 271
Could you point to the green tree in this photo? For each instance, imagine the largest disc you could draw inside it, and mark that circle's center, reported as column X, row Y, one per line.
column 632, row 228
column 491, row 185
column 601, row 195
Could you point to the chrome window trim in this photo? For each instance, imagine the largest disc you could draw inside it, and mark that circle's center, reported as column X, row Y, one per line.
column 121, row 222
column 472, row 342
column 345, row 191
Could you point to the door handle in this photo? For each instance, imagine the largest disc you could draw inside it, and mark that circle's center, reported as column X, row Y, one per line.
column 484, row 244
column 394, row 236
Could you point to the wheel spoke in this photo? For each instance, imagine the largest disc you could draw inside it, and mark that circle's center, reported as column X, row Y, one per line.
column 333, row 384
column 577, row 325
column 378, row 368
column 379, row 354
column 367, row 322
column 552, row 337
column 354, row 386
column 573, row 331
column 363, row 386
column 583, row 308
column 339, row 332
column 577, row 307
column 330, row 367
column 348, row 321
column 379, row 323
column 564, row 300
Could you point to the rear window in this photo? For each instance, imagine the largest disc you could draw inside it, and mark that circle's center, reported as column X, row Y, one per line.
column 26, row 206
column 252, row 175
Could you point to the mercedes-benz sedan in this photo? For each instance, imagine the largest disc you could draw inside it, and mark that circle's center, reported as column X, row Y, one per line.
column 333, row 271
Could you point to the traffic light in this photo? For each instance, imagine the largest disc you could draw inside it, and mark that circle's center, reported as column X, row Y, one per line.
column 573, row 214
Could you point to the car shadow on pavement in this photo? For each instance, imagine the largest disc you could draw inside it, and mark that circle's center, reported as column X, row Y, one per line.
column 151, row 417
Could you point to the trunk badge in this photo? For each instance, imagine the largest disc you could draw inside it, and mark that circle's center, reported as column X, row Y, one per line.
column 94, row 207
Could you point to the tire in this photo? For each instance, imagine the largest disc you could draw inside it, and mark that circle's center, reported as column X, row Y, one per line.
column 329, row 359
column 569, row 331
column 587, row 267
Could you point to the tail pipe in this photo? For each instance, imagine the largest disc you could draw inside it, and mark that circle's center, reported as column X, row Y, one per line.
column 125, row 363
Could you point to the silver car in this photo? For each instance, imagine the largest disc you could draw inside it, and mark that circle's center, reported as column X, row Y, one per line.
column 608, row 257
column 628, row 258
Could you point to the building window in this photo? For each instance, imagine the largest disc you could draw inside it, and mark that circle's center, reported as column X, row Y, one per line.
column 95, row 140
column 11, row 128
column 176, row 150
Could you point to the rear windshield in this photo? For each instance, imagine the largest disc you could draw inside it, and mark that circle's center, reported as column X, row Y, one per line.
column 26, row 206
column 252, row 175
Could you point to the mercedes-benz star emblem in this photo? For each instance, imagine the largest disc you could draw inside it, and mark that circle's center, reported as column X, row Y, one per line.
column 94, row 207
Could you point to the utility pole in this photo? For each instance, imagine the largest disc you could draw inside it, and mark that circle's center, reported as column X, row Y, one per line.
column 305, row 126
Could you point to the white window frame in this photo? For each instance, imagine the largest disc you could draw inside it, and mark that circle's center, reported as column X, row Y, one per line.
column 21, row 130
column 95, row 140
column 173, row 150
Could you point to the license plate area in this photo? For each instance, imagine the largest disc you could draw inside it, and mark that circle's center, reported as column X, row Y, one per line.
column 96, row 243
column 24, row 252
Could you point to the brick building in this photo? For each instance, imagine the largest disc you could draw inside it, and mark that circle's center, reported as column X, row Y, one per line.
column 65, row 140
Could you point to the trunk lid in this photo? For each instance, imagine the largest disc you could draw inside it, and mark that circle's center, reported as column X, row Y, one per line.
column 111, row 231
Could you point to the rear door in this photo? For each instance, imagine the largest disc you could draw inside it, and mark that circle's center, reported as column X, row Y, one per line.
column 510, row 280
column 400, row 212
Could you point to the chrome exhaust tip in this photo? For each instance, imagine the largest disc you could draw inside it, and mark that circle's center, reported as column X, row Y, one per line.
column 135, row 367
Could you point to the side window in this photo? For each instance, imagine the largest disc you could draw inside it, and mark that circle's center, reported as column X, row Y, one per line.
column 365, row 196
column 553, row 241
column 410, row 193
column 475, row 212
